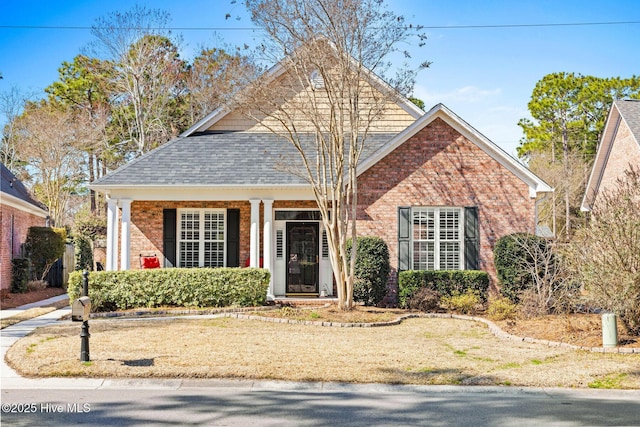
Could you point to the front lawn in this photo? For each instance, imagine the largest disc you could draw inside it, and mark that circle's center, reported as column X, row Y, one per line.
column 417, row 351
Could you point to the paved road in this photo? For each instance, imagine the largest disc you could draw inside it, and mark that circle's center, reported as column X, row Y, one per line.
column 238, row 403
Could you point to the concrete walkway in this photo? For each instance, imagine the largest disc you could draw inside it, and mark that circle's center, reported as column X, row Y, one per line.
column 11, row 334
column 49, row 301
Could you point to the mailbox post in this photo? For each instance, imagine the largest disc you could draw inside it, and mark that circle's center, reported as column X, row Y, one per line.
column 80, row 311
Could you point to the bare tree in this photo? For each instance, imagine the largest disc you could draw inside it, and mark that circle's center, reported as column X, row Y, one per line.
column 147, row 73
column 11, row 103
column 327, row 101
column 551, row 288
column 212, row 75
column 553, row 210
column 606, row 253
column 48, row 137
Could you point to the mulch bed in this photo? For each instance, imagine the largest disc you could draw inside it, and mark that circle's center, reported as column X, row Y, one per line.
column 9, row 300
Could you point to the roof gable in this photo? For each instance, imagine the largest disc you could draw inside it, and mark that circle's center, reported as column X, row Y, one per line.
column 535, row 183
column 622, row 111
column 278, row 70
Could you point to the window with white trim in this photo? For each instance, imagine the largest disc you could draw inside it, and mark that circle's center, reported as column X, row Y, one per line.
column 201, row 238
column 437, row 236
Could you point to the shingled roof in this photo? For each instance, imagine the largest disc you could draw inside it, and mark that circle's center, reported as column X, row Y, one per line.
column 630, row 112
column 12, row 186
column 227, row 159
column 627, row 110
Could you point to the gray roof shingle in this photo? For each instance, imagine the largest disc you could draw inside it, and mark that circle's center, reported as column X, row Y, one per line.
column 11, row 185
column 220, row 159
column 630, row 111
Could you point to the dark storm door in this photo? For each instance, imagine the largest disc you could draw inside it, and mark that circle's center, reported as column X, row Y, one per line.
column 302, row 256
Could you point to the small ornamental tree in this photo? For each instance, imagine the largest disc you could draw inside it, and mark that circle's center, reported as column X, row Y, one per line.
column 605, row 255
column 372, row 270
column 44, row 246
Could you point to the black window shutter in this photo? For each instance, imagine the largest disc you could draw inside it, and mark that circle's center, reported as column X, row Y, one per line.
column 169, row 223
column 233, row 237
column 471, row 239
column 404, row 238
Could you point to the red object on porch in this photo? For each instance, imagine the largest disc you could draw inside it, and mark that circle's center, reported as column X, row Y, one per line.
column 249, row 261
column 149, row 262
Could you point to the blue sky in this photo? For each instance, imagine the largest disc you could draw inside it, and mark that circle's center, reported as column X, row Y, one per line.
column 485, row 75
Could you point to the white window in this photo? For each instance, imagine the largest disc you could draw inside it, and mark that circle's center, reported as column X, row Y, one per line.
column 437, row 238
column 201, row 238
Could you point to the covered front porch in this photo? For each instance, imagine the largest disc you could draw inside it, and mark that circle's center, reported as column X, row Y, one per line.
column 284, row 235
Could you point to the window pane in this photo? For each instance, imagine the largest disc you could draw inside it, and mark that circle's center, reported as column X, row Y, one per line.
column 214, row 254
column 449, row 256
column 298, row 216
column 423, row 256
column 189, row 254
column 189, row 225
column 325, row 245
column 279, row 244
column 449, row 224
column 423, row 224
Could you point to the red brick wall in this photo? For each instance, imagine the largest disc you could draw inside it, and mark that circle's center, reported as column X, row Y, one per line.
column 624, row 152
column 21, row 223
column 439, row 167
column 146, row 225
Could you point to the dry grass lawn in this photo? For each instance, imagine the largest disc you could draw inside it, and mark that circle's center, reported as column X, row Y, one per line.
column 418, row 351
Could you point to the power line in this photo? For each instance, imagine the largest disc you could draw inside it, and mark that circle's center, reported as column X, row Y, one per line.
column 426, row 27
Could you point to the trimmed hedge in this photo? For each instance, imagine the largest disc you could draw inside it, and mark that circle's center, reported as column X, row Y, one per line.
column 178, row 287
column 19, row 275
column 44, row 246
column 371, row 270
column 446, row 282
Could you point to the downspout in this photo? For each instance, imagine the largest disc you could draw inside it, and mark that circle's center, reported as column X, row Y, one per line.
column 537, row 203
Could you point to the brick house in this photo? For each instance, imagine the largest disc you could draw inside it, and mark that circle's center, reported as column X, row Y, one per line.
column 18, row 212
column 435, row 189
column 619, row 149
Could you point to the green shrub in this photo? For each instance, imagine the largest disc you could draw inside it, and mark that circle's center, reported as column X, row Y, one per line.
column 179, row 287
column 465, row 303
column 44, row 246
column 371, row 270
column 513, row 257
column 83, row 254
column 19, row 275
column 445, row 282
column 502, row 309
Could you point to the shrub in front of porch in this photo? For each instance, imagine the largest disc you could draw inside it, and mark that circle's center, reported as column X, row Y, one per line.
column 371, row 270
column 446, row 282
column 173, row 287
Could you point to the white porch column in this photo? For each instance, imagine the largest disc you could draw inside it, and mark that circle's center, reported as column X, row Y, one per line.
column 268, row 242
column 112, row 235
column 125, row 244
column 254, row 247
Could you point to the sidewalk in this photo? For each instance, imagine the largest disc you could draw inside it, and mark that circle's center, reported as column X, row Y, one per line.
column 49, row 301
column 8, row 336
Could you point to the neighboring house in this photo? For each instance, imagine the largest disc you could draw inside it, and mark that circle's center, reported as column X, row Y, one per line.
column 18, row 212
column 618, row 150
column 435, row 189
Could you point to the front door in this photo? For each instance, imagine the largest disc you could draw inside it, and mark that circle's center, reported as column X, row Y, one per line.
column 302, row 257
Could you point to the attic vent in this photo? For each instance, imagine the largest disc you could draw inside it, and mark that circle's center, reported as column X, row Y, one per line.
column 317, row 82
